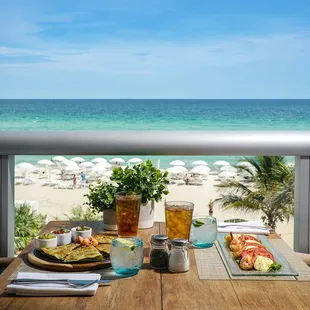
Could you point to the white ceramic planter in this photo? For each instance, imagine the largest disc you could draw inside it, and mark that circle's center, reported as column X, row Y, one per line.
column 82, row 233
column 45, row 243
column 146, row 217
column 109, row 220
column 63, row 239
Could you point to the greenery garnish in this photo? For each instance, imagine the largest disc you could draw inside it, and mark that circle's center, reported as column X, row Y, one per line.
column 198, row 223
column 274, row 267
column 82, row 228
column 47, row 236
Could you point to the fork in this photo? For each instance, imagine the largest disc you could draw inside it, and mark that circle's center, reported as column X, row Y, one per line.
column 73, row 283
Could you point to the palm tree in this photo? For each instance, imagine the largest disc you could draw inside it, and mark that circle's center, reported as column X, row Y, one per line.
column 271, row 191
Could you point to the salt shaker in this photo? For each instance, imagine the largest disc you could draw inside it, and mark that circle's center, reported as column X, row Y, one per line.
column 178, row 258
column 159, row 253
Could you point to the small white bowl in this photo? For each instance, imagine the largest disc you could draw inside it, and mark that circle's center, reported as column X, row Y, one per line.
column 82, row 233
column 63, row 239
column 45, row 243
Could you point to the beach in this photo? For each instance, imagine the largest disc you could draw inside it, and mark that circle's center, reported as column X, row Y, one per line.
column 56, row 203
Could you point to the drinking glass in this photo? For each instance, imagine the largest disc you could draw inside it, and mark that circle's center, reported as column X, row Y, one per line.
column 204, row 231
column 127, row 213
column 127, row 255
column 178, row 219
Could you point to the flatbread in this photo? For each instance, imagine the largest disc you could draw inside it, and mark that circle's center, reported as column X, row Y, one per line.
column 104, row 248
column 84, row 253
column 104, row 238
column 59, row 252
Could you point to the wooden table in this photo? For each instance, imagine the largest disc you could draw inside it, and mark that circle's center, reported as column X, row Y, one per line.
column 155, row 290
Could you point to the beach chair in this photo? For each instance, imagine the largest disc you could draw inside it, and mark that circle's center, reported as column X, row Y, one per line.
column 29, row 181
column 19, row 181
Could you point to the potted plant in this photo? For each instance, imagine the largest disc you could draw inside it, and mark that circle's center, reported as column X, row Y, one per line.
column 101, row 198
column 146, row 180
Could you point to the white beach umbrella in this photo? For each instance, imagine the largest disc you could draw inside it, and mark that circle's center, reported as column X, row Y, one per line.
column 77, row 159
column 228, row 168
column 135, row 160
column 25, row 166
column 59, row 158
column 200, row 170
column 108, row 173
column 221, row 163
column 291, row 165
column 245, row 164
column 227, row 174
column 99, row 160
column 45, row 162
column 199, row 163
column 177, row 163
column 69, row 163
column 71, row 168
column 87, row 164
column 98, row 168
column 248, row 166
column 117, row 161
column 105, row 165
column 176, row 170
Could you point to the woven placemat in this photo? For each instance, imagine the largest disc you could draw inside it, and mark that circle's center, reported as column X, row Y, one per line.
column 211, row 265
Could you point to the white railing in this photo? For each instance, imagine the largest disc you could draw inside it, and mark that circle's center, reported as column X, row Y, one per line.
column 290, row 143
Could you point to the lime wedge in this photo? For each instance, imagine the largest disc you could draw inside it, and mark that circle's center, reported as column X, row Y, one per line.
column 198, row 222
column 127, row 244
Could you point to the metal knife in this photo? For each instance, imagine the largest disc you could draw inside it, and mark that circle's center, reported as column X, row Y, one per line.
column 77, row 282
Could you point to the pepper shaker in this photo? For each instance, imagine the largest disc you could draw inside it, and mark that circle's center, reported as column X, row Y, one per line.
column 159, row 252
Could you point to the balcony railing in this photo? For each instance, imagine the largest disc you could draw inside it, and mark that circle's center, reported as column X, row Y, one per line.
column 250, row 143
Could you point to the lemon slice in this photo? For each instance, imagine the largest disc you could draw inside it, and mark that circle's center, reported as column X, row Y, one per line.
column 198, row 222
column 127, row 244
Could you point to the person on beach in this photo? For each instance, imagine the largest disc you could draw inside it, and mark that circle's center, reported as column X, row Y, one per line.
column 62, row 175
column 74, row 181
column 83, row 179
column 186, row 179
column 211, row 206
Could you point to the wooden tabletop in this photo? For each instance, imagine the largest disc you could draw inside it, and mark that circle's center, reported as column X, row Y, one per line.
column 155, row 290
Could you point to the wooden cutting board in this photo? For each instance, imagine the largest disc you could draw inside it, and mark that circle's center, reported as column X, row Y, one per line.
column 66, row 267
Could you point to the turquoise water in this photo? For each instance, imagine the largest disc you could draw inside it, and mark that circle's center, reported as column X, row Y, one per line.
column 153, row 115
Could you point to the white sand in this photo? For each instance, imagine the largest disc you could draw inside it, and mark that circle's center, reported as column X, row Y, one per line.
column 58, row 202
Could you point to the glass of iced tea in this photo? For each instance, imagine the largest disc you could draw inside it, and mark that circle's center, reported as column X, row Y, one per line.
column 127, row 213
column 178, row 219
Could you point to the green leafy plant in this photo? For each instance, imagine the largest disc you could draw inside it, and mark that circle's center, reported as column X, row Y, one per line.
column 144, row 179
column 27, row 225
column 101, row 196
column 79, row 214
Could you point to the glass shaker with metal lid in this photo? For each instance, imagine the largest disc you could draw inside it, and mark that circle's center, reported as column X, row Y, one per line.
column 159, row 252
column 179, row 258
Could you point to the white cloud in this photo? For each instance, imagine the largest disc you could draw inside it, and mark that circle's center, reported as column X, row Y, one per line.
column 267, row 65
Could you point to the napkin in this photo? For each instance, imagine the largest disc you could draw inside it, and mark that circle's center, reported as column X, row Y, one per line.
column 53, row 289
column 251, row 227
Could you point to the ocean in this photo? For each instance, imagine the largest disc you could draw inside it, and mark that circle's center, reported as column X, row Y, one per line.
column 124, row 114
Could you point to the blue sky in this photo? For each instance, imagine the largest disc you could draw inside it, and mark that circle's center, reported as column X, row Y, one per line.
column 154, row 49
